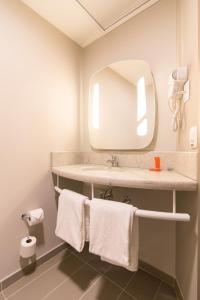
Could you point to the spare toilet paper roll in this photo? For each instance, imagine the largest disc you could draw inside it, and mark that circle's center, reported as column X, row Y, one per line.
column 28, row 246
column 36, row 216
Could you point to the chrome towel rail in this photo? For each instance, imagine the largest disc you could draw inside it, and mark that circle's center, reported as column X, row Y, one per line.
column 157, row 215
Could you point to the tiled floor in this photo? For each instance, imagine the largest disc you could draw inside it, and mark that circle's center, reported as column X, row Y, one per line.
column 74, row 276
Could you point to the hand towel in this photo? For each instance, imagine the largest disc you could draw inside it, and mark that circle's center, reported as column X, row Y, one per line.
column 114, row 233
column 87, row 220
column 71, row 219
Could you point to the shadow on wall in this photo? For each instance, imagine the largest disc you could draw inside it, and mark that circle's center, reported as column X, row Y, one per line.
column 186, row 244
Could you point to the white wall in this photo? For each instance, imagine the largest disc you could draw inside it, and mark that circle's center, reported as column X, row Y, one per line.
column 149, row 36
column 187, row 234
column 39, row 113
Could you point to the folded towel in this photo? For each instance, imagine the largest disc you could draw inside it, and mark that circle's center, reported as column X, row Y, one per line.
column 114, row 233
column 87, row 220
column 71, row 219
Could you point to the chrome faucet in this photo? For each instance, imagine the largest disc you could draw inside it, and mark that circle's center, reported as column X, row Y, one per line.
column 113, row 161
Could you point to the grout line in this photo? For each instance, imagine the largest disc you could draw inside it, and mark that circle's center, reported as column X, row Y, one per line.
column 102, row 273
column 124, row 289
column 39, row 275
column 85, row 293
column 130, row 295
column 149, row 272
column 157, row 291
column 3, row 295
column 114, row 281
column 119, row 294
column 108, row 278
column 61, row 283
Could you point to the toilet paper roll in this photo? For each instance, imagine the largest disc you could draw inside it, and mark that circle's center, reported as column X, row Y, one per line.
column 28, row 246
column 36, row 216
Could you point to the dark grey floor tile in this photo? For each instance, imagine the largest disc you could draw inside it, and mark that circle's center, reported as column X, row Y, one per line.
column 102, row 289
column 28, row 277
column 43, row 284
column 143, row 286
column 99, row 265
column 166, row 292
column 77, row 284
column 119, row 275
column 85, row 255
column 125, row 296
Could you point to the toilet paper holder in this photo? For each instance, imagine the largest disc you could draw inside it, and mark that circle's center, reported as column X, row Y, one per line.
column 25, row 217
column 33, row 217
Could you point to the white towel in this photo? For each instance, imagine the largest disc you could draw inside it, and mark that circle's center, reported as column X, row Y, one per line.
column 87, row 220
column 71, row 219
column 114, row 233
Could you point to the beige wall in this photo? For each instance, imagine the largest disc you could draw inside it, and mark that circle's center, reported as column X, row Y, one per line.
column 187, row 234
column 39, row 113
column 187, row 54
column 139, row 38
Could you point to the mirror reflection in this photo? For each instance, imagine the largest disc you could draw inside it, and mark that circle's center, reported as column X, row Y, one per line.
column 122, row 106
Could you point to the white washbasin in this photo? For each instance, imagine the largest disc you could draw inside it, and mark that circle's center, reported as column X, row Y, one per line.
column 94, row 168
column 101, row 168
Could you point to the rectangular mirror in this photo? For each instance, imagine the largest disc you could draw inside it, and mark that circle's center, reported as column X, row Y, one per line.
column 122, row 106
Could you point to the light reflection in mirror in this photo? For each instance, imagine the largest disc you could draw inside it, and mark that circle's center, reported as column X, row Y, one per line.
column 95, row 106
column 141, row 99
column 142, row 128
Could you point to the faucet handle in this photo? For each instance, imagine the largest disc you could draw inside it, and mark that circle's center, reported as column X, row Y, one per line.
column 115, row 160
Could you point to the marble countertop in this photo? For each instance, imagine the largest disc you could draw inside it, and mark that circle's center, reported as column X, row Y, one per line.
column 127, row 177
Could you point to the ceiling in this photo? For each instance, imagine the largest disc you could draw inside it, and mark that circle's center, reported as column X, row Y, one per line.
column 86, row 20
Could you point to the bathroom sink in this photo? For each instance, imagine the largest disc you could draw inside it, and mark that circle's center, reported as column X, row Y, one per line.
column 94, row 168
column 116, row 169
column 101, row 168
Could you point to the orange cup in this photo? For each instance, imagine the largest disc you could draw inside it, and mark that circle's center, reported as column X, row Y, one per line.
column 157, row 162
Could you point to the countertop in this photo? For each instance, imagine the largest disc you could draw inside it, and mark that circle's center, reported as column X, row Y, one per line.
column 127, row 177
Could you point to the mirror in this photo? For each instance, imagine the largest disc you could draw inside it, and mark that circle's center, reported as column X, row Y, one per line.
column 122, row 106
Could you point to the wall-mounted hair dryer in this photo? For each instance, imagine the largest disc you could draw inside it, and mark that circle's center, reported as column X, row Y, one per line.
column 178, row 91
